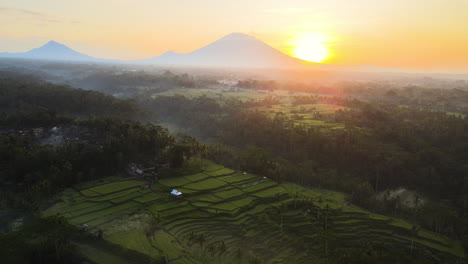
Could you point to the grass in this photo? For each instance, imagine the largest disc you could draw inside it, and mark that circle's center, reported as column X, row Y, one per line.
column 241, row 209
column 243, row 94
column 62, row 208
column 174, row 181
column 89, row 193
column 210, row 198
column 211, row 166
column 100, row 256
column 97, row 214
column 401, row 223
column 230, row 193
column 197, row 177
column 89, row 209
column 136, row 240
column 150, row 197
column 270, row 192
column 127, row 197
column 176, row 210
column 168, row 246
column 244, row 202
column 206, row 184
column 228, row 206
column 379, row 217
column 163, row 205
column 186, row 191
column 223, row 171
column 115, row 186
column 114, row 195
column 259, row 186
column 308, row 117
column 202, row 204
column 237, row 178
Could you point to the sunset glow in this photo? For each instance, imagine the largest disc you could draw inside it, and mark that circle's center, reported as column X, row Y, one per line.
column 310, row 47
column 377, row 33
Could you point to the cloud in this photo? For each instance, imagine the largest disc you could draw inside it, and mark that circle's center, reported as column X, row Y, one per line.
column 33, row 15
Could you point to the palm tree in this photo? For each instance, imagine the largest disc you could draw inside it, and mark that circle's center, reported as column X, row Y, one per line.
column 222, row 248
column 211, row 249
column 192, row 236
column 201, row 239
column 414, row 233
column 255, row 259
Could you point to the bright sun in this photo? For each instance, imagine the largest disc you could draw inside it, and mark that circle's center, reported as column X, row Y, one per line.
column 310, row 47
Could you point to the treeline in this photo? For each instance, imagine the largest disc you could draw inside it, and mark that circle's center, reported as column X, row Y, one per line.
column 96, row 138
column 31, row 172
column 128, row 83
column 427, row 97
column 381, row 147
column 46, row 241
column 40, row 103
column 448, row 96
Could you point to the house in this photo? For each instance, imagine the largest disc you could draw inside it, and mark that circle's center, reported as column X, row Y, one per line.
column 84, row 227
column 38, row 132
column 133, row 170
column 176, row 193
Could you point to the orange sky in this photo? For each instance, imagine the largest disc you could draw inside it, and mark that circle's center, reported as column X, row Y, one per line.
column 412, row 34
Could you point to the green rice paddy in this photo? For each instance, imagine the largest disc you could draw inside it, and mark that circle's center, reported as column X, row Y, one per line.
column 303, row 114
column 279, row 221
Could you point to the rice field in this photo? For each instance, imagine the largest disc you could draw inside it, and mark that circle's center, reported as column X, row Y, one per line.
column 239, row 209
column 304, row 114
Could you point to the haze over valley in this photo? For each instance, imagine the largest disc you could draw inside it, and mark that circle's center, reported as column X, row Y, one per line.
column 244, row 132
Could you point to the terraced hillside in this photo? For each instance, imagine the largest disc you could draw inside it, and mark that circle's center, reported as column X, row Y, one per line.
column 233, row 217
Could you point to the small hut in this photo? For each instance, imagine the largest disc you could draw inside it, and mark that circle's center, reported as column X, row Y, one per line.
column 176, row 193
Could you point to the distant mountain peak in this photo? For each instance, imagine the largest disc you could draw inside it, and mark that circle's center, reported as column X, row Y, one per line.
column 53, row 42
column 238, row 35
column 170, row 52
column 233, row 50
column 52, row 50
column 53, row 45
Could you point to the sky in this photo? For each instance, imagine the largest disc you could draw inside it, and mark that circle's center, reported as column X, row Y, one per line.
column 429, row 35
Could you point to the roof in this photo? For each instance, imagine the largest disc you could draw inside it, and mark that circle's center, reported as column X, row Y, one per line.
column 176, row 192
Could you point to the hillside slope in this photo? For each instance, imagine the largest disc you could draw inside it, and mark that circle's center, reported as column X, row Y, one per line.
column 235, row 217
column 51, row 51
column 233, row 50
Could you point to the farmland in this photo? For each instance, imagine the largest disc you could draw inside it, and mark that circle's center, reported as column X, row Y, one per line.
column 307, row 114
column 252, row 216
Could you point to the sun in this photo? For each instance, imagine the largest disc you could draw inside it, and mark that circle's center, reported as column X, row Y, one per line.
column 311, row 47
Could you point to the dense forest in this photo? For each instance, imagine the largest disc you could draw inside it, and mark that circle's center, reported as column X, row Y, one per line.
column 54, row 136
column 382, row 147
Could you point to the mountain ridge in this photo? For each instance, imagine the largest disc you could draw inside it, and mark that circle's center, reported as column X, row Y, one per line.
column 235, row 50
column 52, row 50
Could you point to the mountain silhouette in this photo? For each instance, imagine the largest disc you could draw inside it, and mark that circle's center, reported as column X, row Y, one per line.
column 233, row 50
column 50, row 51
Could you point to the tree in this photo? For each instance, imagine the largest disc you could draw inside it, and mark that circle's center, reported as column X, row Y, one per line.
column 254, row 258
column 200, row 238
column 363, row 193
column 100, row 234
column 414, row 233
column 221, row 247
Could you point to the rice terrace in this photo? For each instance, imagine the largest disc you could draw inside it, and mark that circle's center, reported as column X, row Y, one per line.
column 227, row 216
column 233, row 132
